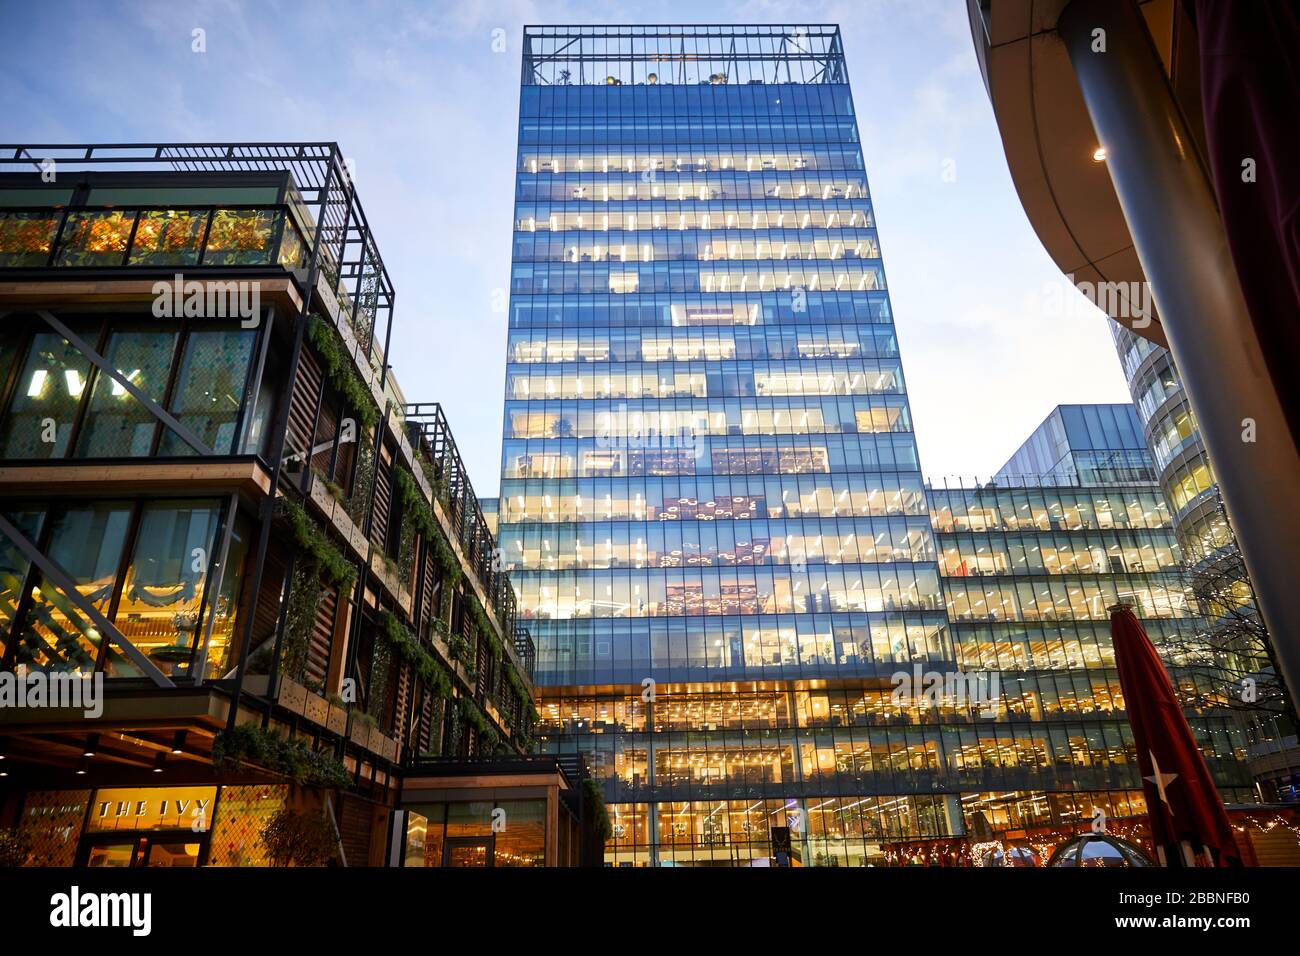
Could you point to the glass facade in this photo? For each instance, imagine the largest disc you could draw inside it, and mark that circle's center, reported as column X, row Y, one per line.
column 1181, row 461
column 1094, row 444
column 711, row 502
column 708, row 466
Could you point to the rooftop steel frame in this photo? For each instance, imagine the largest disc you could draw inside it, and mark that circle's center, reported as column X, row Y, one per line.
column 683, row 53
column 339, row 234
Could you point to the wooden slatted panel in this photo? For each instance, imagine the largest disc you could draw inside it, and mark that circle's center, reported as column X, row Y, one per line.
column 326, row 429
column 266, row 612
column 302, row 409
column 403, row 685
column 485, row 670
column 355, row 828
column 428, row 609
column 383, row 503
column 424, row 731
column 322, row 636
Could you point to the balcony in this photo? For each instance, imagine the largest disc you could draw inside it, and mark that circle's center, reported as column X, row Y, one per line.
column 151, row 237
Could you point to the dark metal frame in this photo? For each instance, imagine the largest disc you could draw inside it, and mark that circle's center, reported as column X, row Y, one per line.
column 681, row 54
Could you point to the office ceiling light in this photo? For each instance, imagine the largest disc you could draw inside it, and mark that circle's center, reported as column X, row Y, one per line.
column 178, row 742
column 158, row 761
column 92, row 743
column 83, row 765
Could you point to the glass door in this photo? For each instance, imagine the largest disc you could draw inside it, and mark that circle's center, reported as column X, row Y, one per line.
column 115, row 853
column 145, row 849
column 467, row 851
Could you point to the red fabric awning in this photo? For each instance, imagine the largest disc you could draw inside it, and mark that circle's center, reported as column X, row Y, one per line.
column 1182, row 801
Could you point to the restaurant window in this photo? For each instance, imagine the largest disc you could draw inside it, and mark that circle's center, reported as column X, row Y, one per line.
column 14, row 567
column 86, row 542
column 210, row 389
column 45, row 399
column 117, row 424
column 165, row 586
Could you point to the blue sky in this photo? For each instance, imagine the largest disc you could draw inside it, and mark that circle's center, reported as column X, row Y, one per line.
column 415, row 94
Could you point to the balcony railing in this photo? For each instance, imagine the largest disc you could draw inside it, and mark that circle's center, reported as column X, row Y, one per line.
column 427, row 429
column 525, row 649
column 150, row 237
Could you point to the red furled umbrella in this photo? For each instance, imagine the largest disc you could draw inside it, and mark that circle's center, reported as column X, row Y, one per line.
column 1186, row 815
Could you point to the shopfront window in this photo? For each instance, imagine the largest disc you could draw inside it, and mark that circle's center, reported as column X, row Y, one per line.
column 476, row 833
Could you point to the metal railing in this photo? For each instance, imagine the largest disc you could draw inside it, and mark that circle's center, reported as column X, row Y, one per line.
column 428, row 430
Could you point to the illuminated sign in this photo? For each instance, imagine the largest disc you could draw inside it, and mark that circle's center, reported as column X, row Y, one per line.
column 152, row 808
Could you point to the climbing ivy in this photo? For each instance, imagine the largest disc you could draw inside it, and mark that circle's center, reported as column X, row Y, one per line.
column 474, row 716
column 407, row 647
column 315, row 557
column 314, row 546
column 341, row 373
column 478, row 617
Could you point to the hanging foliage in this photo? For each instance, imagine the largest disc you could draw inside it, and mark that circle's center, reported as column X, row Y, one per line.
column 292, row 758
column 304, row 596
column 341, row 374
column 474, row 716
column 527, row 709
column 363, row 485
column 407, row 648
column 314, row 547
column 478, row 617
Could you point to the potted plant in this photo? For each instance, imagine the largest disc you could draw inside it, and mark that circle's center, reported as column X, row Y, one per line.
column 298, row 838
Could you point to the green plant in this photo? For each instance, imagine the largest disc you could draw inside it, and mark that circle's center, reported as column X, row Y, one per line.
column 596, row 812
column 363, row 481
column 342, row 375
column 473, row 715
column 315, row 558
column 292, row 758
column 14, row 848
column 463, row 652
column 295, row 838
column 314, row 545
column 528, row 715
column 483, row 625
column 405, row 645
column 418, row 514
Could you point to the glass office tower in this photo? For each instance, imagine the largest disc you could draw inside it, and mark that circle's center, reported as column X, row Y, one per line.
column 708, row 465
column 709, row 478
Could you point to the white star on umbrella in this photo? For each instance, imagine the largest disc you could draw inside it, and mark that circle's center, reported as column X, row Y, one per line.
column 1161, row 780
